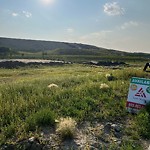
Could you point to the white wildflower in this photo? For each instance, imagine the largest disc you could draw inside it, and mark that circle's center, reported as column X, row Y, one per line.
column 52, row 85
column 104, row 86
column 107, row 75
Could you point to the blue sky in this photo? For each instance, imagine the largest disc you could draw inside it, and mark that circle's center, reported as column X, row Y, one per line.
column 116, row 24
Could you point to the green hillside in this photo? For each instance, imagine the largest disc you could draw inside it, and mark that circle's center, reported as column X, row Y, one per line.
column 55, row 48
column 38, row 45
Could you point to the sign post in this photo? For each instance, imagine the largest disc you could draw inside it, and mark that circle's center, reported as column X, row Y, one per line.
column 139, row 94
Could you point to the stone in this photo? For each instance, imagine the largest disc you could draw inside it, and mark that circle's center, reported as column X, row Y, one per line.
column 32, row 139
column 107, row 128
column 117, row 128
column 118, row 135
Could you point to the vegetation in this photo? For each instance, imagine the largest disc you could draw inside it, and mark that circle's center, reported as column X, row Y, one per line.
column 66, row 128
column 143, row 122
column 6, row 52
column 82, row 92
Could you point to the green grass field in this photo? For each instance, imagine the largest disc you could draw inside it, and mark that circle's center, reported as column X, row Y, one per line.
column 27, row 103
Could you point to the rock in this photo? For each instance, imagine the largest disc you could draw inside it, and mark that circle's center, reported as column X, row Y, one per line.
column 119, row 142
column 118, row 135
column 107, row 128
column 117, row 128
column 32, row 139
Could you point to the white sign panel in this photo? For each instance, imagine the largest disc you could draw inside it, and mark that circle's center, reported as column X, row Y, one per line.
column 139, row 94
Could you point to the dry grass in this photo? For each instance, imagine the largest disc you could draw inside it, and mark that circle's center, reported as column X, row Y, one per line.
column 66, row 128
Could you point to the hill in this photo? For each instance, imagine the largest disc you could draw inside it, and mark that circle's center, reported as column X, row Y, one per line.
column 55, row 48
column 38, row 45
column 37, row 49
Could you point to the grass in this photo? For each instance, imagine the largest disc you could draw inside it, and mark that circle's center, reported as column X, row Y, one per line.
column 26, row 102
column 143, row 122
column 66, row 128
column 44, row 117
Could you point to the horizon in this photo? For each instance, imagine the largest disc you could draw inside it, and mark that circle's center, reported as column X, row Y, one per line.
column 109, row 24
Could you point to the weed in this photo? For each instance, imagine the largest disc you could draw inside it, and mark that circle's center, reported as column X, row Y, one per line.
column 66, row 128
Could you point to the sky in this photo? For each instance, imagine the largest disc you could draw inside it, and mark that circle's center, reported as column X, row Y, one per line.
column 115, row 24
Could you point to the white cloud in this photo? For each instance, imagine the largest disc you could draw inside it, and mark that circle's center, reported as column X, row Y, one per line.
column 27, row 14
column 70, row 30
column 113, row 9
column 23, row 13
column 129, row 24
column 15, row 14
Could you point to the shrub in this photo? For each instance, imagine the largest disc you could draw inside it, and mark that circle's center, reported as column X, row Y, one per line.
column 43, row 117
column 66, row 128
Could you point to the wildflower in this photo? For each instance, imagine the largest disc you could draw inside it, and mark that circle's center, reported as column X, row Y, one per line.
column 52, row 85
column 104, row 86
column 107, row 75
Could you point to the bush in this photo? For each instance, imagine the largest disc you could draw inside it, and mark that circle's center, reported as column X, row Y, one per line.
column 43, row 117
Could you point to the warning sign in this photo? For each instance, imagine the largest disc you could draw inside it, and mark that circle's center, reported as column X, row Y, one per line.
column 139, row 94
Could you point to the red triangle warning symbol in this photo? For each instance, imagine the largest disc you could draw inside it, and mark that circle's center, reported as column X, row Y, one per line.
column 140, row 93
